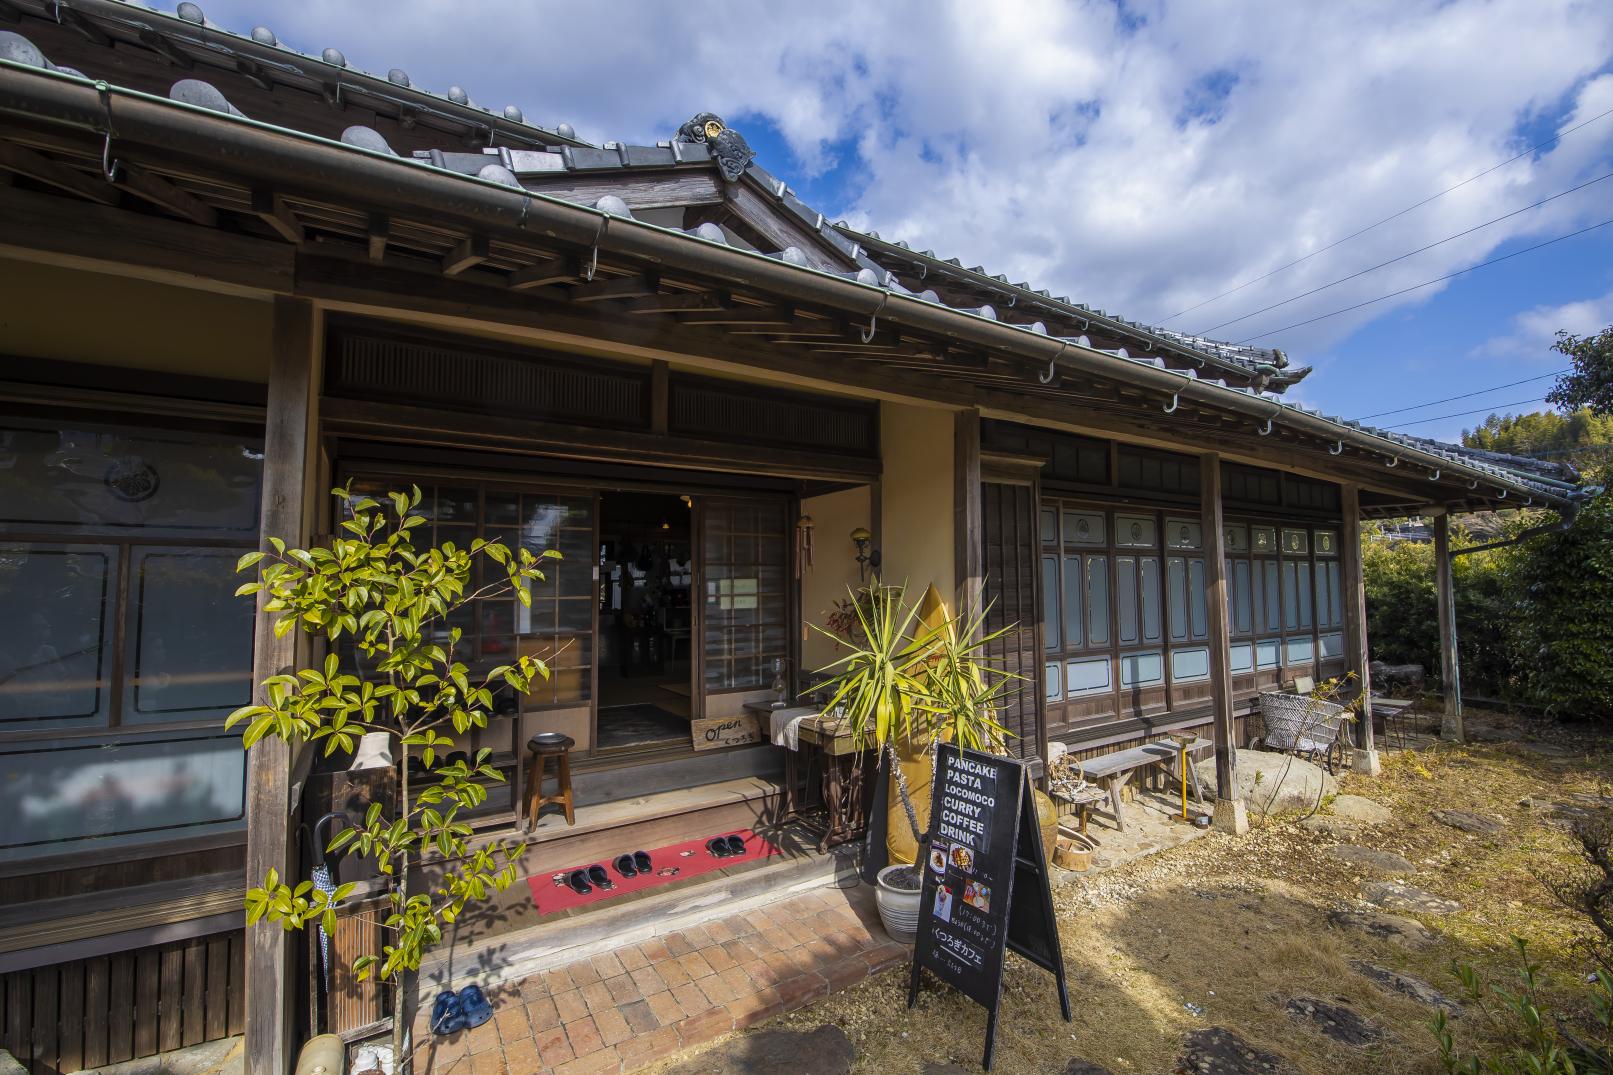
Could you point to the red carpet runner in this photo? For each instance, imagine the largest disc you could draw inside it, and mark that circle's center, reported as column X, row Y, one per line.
column 689, row 859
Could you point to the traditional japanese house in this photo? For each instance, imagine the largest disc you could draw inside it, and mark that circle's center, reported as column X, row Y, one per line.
column 233, row 275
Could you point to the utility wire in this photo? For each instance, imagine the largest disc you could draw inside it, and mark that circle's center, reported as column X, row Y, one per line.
column 1393, row 216
column 1464, row 414
column 1403, row 257
column 1428, row 283
column 1465, row 395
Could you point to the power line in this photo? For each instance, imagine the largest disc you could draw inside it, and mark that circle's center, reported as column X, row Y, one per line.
column 1403, row 257
column 1465, row 395
column 1464, row 414
column 1428, row 283
column 1393, row 216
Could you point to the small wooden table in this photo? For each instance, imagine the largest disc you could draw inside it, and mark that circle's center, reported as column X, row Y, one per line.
column 827, row 753
column 1115, row 770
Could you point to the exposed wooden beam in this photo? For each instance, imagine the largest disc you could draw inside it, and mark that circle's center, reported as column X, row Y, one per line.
column 1450, row 661
column 154, row 41
column 555, row 270
column 1230, row 813
column 160, row 192
column 968, row 542
column 271, row 208
column 37, row 166
column 377, row 232
column 694, row 186
column 681, row 302
column 471, row 251
column 91, row 32
column 636, row 286
column 782, row 316
column 1355, row 623
column 253, row 72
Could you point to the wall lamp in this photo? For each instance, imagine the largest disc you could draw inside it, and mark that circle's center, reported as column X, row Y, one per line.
column 866, row 557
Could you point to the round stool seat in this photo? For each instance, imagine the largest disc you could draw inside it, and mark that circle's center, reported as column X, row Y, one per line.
column 550, row 743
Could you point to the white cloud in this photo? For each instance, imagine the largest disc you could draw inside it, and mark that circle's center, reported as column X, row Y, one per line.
column 1534, row 331
column 1138, row 157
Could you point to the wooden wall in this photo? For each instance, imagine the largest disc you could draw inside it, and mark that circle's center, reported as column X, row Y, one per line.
column 91, row 1012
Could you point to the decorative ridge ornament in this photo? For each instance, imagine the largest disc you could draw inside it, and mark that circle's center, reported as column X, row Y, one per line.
column 733, row 154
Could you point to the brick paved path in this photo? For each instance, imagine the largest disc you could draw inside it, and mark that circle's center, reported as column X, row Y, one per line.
column 623, row 1010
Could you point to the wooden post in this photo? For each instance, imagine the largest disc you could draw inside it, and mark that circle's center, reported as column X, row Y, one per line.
column 290, row 445
column 1365, row 760
column 1450, row 664
column 967, row 550
column 1230, row 812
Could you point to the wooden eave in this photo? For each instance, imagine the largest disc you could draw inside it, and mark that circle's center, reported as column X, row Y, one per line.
column 224, row 224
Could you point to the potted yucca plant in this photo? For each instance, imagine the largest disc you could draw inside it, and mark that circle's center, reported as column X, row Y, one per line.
column 913, row 677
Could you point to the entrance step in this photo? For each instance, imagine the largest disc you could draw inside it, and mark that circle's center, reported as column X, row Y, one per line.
column 555, row 940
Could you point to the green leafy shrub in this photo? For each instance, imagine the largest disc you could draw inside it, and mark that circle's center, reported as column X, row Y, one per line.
column 1565, row 616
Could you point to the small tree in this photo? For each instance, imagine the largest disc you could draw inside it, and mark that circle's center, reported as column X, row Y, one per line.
column 400, row 676
column 1590, row 382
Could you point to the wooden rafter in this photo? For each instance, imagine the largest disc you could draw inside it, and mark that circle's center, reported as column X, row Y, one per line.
column 470, row 252
column 376, row 233
column 635, row 286
column 782, row 316
column 271, row 208
column 37, row 166
column 542, row 273
column 160, row 192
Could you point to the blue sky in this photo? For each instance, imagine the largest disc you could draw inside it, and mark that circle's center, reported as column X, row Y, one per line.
column 1140, row 158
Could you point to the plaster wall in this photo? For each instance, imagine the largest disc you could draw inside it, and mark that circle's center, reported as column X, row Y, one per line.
column 915, row 535
column 70, row 315
column 834, row 517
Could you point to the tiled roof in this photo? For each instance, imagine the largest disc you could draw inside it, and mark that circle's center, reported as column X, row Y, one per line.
column 1252, row 372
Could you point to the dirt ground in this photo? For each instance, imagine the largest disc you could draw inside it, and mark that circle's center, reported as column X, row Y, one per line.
column 1236, row 927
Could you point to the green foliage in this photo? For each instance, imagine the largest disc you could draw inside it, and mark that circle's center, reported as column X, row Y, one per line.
column 1590, row 382
column 390, row 602
column 1564, row 595
column 1581, row 436
column 1535, row 1041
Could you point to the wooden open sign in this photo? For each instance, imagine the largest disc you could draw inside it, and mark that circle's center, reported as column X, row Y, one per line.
column 711, row 733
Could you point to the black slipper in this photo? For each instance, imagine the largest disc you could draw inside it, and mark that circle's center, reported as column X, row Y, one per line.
column 597, row 874
column 579, row 882
column 719, row 847
column 736, row 844
column 641, row 861
column 625, row 866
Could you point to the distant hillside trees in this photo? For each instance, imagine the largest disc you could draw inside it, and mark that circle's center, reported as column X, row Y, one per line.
column 1581, row 437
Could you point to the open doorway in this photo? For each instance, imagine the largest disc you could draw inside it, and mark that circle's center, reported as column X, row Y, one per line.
column 645, row 622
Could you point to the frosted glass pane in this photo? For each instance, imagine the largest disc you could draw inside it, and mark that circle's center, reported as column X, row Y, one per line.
column 1153, row 612
column 1055, row 685
column 1126, row 596
column 1097, row 600
column 1335, row 595
column 61, row 796
column 1087, row 677
column 1327, row 543
column 1142, row 669
column 1190, row 664
column 189, row 640
column 1242, row 599
column 1074, row 617
column 1176, row 585
column 1243, row 657
column 1135, row 530
column 1332, row 645
column 1301, row 651
column 1198, row 619
column 1324, row 607
column 1052, row 637
column 1272, row 597
column 1290, row 598
column 1302, row 590
column 1184, row 534
column 1236, row 539
column 1083, row 528
column 1050, row 526
column 55, row 634
column 1268, row 653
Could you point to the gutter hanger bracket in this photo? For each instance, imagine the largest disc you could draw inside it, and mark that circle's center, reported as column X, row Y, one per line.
column 1434, row 477
column 1503, row 495
column 1053, row 366
column 593, row 253
column 1175, row 401
column 1394, row 461
column 109, row 165
column 873, row 318
column 1265, row 430
column 1337, row 449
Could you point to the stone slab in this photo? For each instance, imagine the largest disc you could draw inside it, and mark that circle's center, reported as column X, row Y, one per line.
column 1273, row 783
column 1371, row 860
column 1399, row 896
column 1468, row 821
column 1360, row 808
column 1396, row 929
column 1415, row 988
column 1218, row 1051
column 1338, row 1022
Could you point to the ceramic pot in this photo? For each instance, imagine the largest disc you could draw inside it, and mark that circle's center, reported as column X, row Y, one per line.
column 898, row 907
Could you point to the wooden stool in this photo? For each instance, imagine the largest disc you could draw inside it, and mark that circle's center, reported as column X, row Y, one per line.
column 546, row 745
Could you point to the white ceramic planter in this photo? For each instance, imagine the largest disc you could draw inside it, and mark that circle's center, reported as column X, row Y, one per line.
column 898, row 908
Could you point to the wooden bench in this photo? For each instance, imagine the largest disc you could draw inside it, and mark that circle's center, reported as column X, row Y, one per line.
column 1115, row 770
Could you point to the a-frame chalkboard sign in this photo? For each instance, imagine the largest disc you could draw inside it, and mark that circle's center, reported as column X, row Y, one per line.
column 985, row 885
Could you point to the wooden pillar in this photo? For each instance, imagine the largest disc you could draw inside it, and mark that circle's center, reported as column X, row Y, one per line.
column 289, row 456
column 1450, row 665
column 1355, row 627
column 967, row 549
column 1230, row 811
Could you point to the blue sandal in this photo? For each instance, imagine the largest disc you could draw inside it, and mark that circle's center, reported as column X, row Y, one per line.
column 473, row 1003
column 447, row 1013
